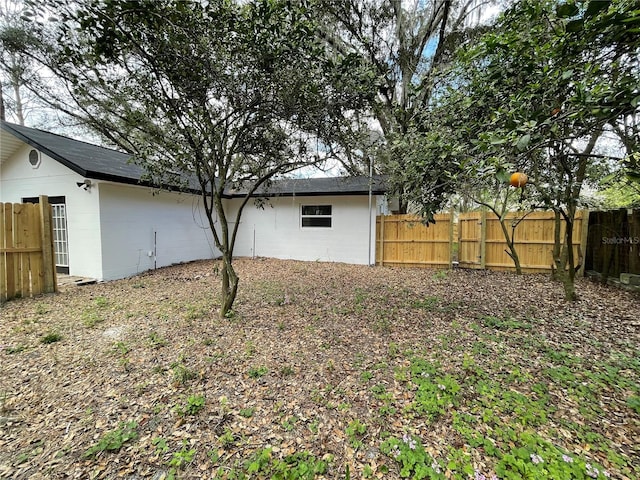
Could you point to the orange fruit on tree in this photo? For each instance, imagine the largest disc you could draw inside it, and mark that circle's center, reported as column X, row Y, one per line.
column 518, row 179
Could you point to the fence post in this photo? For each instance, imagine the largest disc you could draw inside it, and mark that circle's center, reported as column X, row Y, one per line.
column 382, row 240
column 451, row 238
column 3, row 269
column 483, row 238
column 584, row 235
column 48, row 257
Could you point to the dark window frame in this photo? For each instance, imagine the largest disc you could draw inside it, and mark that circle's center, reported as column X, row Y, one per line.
column 316, row 216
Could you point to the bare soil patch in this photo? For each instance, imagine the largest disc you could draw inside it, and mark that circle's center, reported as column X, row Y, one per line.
column 335, row 367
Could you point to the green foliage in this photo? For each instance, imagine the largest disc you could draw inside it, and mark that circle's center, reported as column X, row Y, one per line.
column 181, row 458
column 113, row 441
column 412, row 458
column 227, row 439
column 633, row 402
column 156, row 340
column 51, row 337
column 181, row 373
column 247, row 412
column 191, row 407
column 435, row 393
column 144, row 76
column 298, row 466
column 355, row 431
column 257, row 372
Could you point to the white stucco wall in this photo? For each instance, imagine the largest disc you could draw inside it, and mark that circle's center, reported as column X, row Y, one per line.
column 279, row 234
column 18, row 180
column 134, row 219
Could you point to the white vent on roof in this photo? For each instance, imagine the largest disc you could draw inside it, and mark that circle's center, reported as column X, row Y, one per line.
column 34, row 158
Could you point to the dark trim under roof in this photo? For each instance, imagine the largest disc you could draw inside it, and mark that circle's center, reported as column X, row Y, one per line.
column 100, row 163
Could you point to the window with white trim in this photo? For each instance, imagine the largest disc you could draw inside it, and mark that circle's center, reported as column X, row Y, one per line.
column 315, row 216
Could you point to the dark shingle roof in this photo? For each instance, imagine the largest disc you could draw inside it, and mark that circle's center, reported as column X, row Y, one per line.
column 83, row 158
column 289, row 187
column 102, row 163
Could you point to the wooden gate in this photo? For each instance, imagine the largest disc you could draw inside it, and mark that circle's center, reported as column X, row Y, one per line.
column 27, row 264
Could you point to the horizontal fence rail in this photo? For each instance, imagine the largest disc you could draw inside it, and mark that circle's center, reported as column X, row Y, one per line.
column 27, row 263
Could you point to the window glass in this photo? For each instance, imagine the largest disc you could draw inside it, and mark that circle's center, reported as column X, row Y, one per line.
column 316, row 216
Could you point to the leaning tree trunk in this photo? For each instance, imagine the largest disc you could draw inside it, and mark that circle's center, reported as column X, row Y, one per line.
column 230, row 282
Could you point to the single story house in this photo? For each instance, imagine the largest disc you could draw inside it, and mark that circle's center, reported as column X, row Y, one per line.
column 109, row 223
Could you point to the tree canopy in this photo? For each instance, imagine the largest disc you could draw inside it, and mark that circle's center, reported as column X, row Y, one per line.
column 226, row 95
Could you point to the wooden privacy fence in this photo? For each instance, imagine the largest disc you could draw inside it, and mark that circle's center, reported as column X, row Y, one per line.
column 27, row 262
column 404, row 240
column 482, row 245
column 613, row 243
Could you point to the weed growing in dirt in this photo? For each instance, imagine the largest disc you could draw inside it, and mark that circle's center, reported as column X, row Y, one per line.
column 156, row 340
column 121, row 348
column 300, row 465
column 161, row 445
column 355, row 432
column 507, row 323
column 51, row 337
column 191, row 407
column 180, row 459
column 435, row 392
column 42, row 309
column 257, row 372
column 91, row 318
column 247, row 412
column 440, row 275
column 227, row 439
column 113, row 441
column 101, row 302
column 428, row 303
column 181, row 373
column 287, row 371
column 15, row 349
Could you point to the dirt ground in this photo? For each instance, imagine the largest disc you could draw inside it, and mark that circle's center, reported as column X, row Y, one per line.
column 321, row 366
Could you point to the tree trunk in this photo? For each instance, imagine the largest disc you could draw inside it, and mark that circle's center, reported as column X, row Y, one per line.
column 513, row 253
column 229, row 286
column 3, row 116
column 18, row 99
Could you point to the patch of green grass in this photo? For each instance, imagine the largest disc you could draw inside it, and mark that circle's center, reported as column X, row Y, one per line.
column 440, row 275
column 181, row 373
column 42, row 309
column 633, row 402
column 428, row 303
column 156, row 340
column 91, row 318
column 15, row 349
column 51, row 337
column 287, row 371
column 114, row 440
column 507, row 323
column 101, row 302
column 257, row 372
